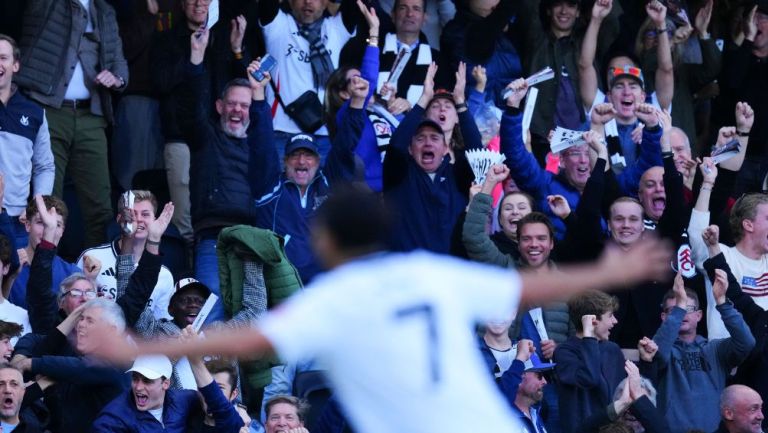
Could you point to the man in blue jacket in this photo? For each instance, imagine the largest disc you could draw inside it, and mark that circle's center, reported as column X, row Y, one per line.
column 150, row 406
column 286, row 201
column 576, row 163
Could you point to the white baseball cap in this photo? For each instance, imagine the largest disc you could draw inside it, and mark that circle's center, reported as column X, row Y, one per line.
column 152, row 366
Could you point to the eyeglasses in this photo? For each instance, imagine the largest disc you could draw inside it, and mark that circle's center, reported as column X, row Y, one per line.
column 77, row 293
column 688, row 309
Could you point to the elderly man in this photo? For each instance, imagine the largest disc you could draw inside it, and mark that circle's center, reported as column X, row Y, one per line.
column 78, row 384
column 286, row 201
column 576, row 164
column 741, row 409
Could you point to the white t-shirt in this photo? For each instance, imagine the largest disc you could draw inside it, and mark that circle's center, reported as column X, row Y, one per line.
column 294, row 70
column 397, row 335
column 13, row 313
column 106, row 283
column 752, row 275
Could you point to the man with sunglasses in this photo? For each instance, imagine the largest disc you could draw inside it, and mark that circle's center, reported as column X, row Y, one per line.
column 691, row 370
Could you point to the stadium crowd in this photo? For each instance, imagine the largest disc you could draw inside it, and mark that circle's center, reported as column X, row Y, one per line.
column 163, row 162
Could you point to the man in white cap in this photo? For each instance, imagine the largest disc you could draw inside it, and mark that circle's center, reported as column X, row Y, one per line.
column 151, row 405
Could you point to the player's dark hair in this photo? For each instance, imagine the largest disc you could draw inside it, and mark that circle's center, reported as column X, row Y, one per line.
column 356, row 218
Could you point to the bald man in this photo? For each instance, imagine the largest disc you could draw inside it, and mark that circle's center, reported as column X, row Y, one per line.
column 742, row 410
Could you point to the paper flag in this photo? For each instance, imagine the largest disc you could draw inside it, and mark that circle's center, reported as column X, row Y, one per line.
column 481, row 160
column 564, row 138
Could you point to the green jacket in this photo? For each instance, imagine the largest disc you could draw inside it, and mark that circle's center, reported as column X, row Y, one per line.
column 280, row 276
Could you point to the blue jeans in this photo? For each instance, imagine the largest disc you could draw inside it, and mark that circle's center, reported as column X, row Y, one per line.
column 322, row 141
column 207, row 272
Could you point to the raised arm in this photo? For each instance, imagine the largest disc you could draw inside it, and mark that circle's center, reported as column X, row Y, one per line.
column 665, row 79
column 479, row 245
column 42, row 303
column 646, row 261
column 340, row 165
column 735, row 349
column 263, row 160
column 588, row 79
column 192, row 112
column 700, row 214
column 745, row 118
column 467, row 124
column 144, row 279
column 526, row 171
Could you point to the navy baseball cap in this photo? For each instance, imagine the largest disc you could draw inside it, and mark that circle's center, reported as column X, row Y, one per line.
column 301, row 141
column 427, row 123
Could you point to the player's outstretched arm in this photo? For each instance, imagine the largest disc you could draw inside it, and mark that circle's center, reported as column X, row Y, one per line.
column 246, row 343
column 647, row 260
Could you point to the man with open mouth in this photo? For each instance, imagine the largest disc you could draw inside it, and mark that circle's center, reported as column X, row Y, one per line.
column 11, row 394
column 150, row 405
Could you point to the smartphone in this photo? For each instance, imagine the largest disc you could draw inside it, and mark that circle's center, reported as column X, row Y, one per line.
column 268, row 64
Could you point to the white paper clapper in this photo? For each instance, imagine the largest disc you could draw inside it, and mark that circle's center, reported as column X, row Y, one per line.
column 481, row 160
column 564, row 138
column 182, row 367
column 213, row 14
column 530, row 104
column 726, row 151
column 538, row 320
column 204, row 312
column 539, row 77
column 397, row 68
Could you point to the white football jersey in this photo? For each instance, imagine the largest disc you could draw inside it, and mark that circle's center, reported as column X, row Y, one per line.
column 397, row 335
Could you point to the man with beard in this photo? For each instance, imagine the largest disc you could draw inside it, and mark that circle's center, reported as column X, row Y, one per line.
column 219, row 188
column 530, row 389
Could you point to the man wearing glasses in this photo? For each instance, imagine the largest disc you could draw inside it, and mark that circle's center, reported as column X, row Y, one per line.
column 692, row 370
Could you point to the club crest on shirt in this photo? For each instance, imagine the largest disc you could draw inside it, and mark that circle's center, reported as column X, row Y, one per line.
column 319, row 200
column 24, row 120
